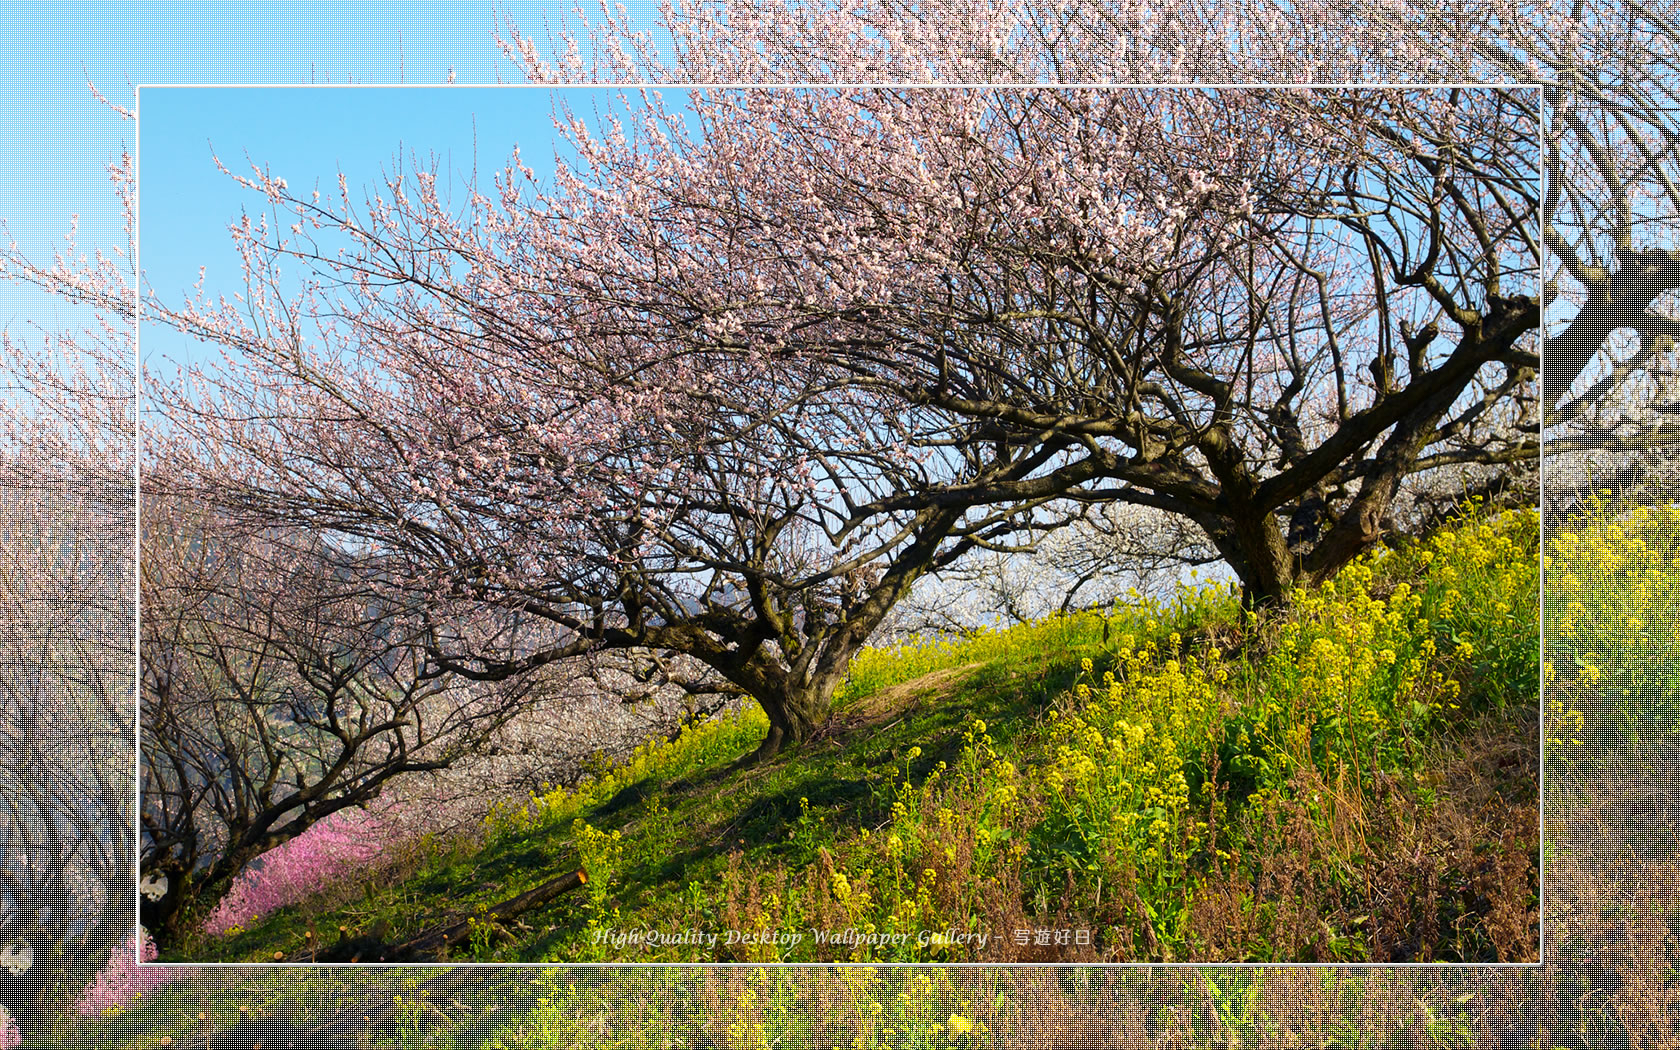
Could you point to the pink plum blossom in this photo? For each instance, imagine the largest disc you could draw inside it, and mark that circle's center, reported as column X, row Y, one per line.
column 348, row 841
column 125, row 978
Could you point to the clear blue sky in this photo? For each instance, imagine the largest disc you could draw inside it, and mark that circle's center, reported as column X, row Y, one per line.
column 305, row 135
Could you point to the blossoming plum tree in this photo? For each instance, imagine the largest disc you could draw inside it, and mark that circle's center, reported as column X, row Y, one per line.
column 739, row 372
column 1612, row 160
column 506, row 423
column 329, row 849
column 1263, row 311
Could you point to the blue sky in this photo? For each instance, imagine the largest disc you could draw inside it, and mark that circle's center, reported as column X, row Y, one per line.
column 305, row 135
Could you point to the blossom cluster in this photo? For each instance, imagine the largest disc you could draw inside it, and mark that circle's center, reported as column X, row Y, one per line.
column 341, row 843
column 124, row 978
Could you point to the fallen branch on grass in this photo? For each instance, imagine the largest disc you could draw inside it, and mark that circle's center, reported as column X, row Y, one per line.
column 430, row 945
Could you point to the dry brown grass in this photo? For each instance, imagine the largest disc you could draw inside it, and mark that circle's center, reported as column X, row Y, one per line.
column 1444, row 869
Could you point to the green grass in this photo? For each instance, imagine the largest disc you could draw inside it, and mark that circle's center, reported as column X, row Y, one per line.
column 1180, row 781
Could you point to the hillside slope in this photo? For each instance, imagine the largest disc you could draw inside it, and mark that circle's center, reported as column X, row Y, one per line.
column 1355, row 780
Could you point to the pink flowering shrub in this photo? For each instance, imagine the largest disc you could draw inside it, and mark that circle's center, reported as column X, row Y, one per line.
column 123, row 980
column 9, row 1034
column 346, row 841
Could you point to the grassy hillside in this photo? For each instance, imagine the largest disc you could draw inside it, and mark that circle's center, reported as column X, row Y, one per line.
column 1357, row 780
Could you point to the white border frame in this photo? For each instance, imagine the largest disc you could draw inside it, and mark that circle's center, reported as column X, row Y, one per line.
column 1259, row 967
